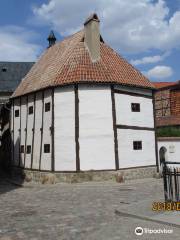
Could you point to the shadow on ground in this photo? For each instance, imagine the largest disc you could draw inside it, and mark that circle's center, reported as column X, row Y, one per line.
column 8, row 180
column 8, row 183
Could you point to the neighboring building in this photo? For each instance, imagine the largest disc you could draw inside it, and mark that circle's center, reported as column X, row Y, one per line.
column 11, row 74
column 169, row 149
column 167, row 109
column 167, row 104
column 83, row 107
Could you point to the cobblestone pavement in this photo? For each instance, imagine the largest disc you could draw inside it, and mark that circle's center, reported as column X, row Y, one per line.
column 79, row 211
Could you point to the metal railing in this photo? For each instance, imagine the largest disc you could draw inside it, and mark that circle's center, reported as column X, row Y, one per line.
column 171, row 178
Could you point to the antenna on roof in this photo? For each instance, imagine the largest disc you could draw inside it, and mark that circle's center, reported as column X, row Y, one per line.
column 51, row 38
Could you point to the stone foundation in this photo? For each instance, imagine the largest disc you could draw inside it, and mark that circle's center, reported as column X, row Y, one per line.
column 52, row 178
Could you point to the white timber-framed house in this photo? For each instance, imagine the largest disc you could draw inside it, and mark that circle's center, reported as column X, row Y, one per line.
column 83, row 107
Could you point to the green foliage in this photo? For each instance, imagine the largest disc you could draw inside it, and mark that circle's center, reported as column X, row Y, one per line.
column 168, row 132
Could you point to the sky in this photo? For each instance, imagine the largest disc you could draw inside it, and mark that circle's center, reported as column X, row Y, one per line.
column 145, row 32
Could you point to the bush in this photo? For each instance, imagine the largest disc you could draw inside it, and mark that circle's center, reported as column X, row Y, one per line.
column 168, row 132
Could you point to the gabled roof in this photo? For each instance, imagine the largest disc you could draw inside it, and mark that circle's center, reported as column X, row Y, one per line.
column 11, row 74
column 168, row 121
column 69, row 62
column 159, row 85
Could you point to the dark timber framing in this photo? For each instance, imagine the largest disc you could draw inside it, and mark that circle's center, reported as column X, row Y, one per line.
column 26, row 131
column 134, row 127
column 52, row 134
column 132, row 93
column 42, row 125
column 33, row 130
column 77, row 127
column 20, row 132
column 13, row 133
column 156, row 144
column 114, row 128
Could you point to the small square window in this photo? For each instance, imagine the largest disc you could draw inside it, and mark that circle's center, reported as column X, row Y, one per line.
column 137, row 145
column 22, row 148
column 46, row 148
column 47, row 107
column 28, row 149
column 4, row 69
column 135, row 107
column 30, row 110
column 16, row 113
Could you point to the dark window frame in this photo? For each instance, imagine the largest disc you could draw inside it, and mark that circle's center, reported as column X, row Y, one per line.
column 137, row 145
column 28, row 149
column 4, row 69
column 47, row 148
column 135, row 107
column 47, row 107
column 16, row 113
column 22, row 149
column 30, row 110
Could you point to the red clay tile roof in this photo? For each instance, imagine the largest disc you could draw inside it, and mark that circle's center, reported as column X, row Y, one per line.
column 168, row 121
column 69, row 62
column 163, row 84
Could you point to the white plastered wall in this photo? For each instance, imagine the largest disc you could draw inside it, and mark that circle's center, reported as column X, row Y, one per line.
column 134, row 158
column 23, row 126
column 29, row 137
column 37, row 130
column 16, row 133
column 96, row 137
column 47, row 139
column 173, row 150
column 64, row 125
column 125, row 116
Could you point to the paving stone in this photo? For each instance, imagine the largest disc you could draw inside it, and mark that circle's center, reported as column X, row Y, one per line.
column 77, row 211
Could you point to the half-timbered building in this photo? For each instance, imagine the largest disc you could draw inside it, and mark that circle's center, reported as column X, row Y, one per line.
column 167, row 112
column 83, row 107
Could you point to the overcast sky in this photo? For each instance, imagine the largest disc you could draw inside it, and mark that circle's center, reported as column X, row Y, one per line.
column 145, row 32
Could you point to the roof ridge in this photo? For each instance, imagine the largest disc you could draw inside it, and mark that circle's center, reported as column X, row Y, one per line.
column 67, row 59
column 129, row 64
column 104, row 65
column 138, row 71
column 69, row 37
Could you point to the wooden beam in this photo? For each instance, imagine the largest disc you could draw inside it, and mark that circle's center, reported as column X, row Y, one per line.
column 26, row 130
column 52, row 134
column 114, row 128
column 20, row 132
column 119, row 126
column 77, row 126
column 42, row 126
column 33, row 130
column 155, row 133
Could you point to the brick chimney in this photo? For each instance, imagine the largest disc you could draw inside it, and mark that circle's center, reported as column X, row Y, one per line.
column 92, row 36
